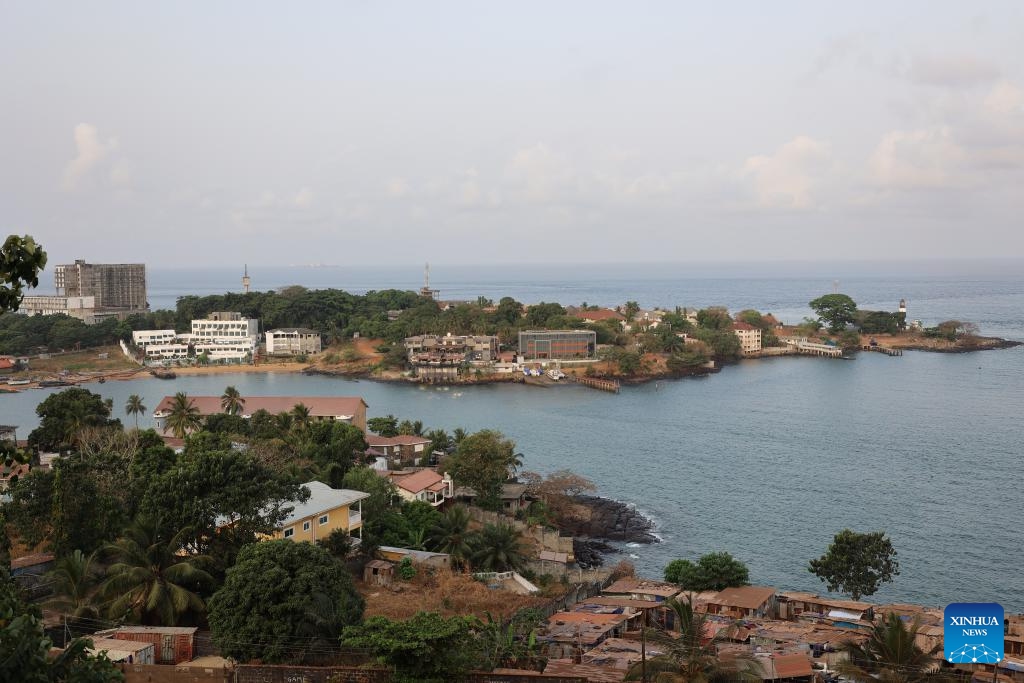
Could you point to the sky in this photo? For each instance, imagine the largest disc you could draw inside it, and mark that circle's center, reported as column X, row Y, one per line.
column 359, row 133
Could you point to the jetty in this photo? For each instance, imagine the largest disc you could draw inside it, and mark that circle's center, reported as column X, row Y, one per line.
column 611, row 385
column 882, row 349
column 808, row 348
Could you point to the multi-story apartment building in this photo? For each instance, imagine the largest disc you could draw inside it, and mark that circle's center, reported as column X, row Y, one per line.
column 81, row 307
column 144, row 338
column 113, row 285
column 433, row 348
column 750, row 336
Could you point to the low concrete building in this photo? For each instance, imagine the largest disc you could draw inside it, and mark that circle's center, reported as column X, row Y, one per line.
column 743, row 602
column 121, row 650
column 393, row 554
column 401, row 448
column 80, row 307
column 424, row 485
column 293, row 341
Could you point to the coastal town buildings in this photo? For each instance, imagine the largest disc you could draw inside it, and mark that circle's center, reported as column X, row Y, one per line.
column 596, row 316
column 444, row 358
column 401, row 448
column 293, row 341
column 350, row 409
column 424, row 485
column 327, row 509
column 225, row 325
column 557, row 344
column 750, row 336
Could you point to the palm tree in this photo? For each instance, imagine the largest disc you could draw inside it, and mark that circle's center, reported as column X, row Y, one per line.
column 135, row 407
column 890, row 655
column 301, row 417
column 150, row 580
column 183, row 416
column 692, row 657
column 231, row 401
column 451, row 534
column 497, row 549
column 75, row 580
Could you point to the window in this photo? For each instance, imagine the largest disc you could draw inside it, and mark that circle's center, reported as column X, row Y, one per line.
column 323, row 519
column 305, row 526
column 289, row 532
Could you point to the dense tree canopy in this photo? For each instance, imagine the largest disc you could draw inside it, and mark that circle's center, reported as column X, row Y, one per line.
column 483, row 461
column 64, row 414
column 857, row 563
column 713, row 571
column 427, row 647
column 283, row 602
column 834, row 310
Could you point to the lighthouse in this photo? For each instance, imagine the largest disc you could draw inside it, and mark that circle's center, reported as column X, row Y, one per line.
column 903, row 314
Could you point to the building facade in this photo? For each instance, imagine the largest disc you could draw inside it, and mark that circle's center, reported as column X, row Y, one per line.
column 325, row 511
column 293, row 341
column 557, row 344
column 434, row 348
column 750, row 337
column 113, row 285
column 225, row 325
column 81, row 307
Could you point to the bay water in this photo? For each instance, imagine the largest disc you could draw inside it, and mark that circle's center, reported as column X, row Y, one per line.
column 767, row 459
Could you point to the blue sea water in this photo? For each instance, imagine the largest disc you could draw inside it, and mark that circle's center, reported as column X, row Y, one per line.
column 767, row 459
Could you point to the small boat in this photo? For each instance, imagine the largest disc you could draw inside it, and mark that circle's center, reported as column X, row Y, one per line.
column 47, row 383
column 17, row 382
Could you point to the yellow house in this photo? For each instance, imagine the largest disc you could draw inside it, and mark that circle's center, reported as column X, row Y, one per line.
column 326, row 510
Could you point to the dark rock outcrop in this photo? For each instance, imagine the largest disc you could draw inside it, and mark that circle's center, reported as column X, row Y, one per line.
column 610, row 520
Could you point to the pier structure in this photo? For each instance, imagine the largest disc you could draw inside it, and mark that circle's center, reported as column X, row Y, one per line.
column 611, row 385
column 809, row 348
column 882, row 349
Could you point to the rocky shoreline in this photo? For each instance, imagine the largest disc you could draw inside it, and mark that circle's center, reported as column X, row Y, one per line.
column 605, row 520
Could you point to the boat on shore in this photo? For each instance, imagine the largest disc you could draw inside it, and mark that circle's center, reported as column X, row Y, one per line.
column 18, row 382
column 47, row 383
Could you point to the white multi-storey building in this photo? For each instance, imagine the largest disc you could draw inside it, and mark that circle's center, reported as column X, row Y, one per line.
column 750, row 336
column 145, row 338
column 225, row 325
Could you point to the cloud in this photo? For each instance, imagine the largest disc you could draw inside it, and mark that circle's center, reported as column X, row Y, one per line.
column 927, row 158
column 951, row 71
column 787, row 178
column 89, row 152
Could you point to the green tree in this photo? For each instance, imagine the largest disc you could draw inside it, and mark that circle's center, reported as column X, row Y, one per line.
column 484, row 461
column 31, row 506
column 21, row 261
column 692, row 657
column 183, row 416
column 713, row 571
column 91, row 502
column 497, row 548
column 134, row 406
column 857, row 563
column 150, row 579
column 714, row 318
column 231, row 401
column 384, row 426
column 283, row 602
column 835, row 310
column 450, row 534
column 427, row 648
column 76, row 580
column 630, row 310
column 25, row 649
column 891, row 654
column 65, row 414
column 301, row 417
